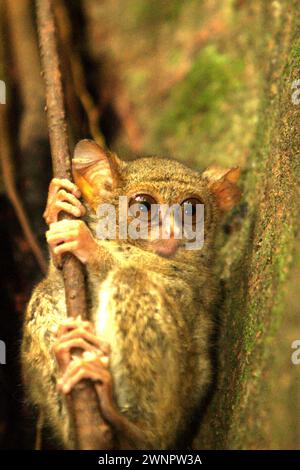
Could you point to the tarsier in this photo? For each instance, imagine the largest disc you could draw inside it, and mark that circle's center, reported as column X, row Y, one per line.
column 146, row 346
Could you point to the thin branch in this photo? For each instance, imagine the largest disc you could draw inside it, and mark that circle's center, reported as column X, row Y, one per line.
column 83, row 94
column 91, row 431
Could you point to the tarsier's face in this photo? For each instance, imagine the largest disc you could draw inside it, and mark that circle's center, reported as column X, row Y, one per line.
column 168, row 199
column 165, row 206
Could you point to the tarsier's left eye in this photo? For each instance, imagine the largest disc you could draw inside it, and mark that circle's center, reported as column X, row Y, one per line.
column 189, row 209
column 141, row 206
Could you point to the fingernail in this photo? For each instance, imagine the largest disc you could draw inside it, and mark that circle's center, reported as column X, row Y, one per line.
column 55, row 329
column 104, row 360
column 106, row 347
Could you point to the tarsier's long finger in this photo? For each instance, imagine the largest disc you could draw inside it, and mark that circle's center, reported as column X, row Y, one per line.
column 62, row 350
column 63, row 195
column 66, row 226
column 53, row 238
column 62, row 183
column 92, row 360
column 51, row 214
column 74, row 343
column 68, row 208
column 65, row 248
column 80, row 369
column 58, row 185
column 83, row 373
column 63, row 356
column 88, row 336
column 71, row 323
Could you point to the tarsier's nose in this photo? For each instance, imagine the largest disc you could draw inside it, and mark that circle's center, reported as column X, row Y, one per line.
column 167, row 245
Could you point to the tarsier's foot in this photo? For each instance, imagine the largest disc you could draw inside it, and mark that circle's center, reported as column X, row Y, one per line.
column 67, row 235
column 74, row 333
column 93, row 364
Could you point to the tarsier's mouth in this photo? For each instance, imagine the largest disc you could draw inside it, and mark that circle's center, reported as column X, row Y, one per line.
column 166, row 248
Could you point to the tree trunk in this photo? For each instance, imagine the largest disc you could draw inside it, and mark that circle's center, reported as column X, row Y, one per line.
column 259, row 255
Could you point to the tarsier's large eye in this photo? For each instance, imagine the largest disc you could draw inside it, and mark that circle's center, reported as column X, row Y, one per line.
column 189, row 210
column 142, row 203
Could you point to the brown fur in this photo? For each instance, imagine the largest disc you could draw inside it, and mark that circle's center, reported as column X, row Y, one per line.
column 158, row 316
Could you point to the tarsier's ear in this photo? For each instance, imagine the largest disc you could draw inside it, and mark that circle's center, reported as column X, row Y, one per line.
column 222, row 182
column 95, row 171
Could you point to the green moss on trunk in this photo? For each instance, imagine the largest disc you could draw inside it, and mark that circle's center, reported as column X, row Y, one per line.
column 258, row 257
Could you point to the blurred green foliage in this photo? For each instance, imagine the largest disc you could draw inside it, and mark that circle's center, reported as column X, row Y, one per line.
column 195, row 104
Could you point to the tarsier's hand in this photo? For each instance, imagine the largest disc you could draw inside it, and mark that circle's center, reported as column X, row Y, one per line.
column 67, row 235
column 62, row 196
column 71, row 236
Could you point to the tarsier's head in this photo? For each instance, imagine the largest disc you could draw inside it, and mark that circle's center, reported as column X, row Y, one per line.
column 166, row 207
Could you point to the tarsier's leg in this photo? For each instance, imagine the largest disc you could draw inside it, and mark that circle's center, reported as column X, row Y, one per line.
column 93, row 365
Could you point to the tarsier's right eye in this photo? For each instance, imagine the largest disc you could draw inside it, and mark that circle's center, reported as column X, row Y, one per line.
column 141, row 207
column 189, row 208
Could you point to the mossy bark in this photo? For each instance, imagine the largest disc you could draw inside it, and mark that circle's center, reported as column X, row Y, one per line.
column 259, row 255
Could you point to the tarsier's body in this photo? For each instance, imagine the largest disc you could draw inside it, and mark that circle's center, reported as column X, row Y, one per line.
column 149, row 301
